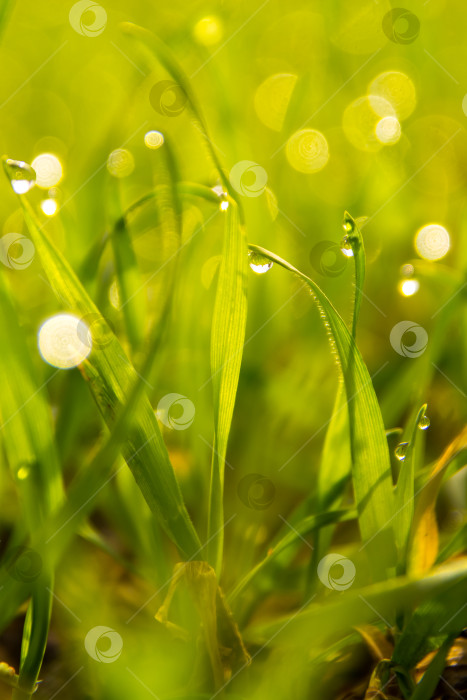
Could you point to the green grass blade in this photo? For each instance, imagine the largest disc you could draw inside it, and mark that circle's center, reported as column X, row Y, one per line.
column 227, row 338
column 303, row 528
column 131, row 290
column 26, row 422
column 371, row 475
column 110, row 375
column 339, row 613
column 36, row 629
column 426, row 687
column 404, row 491
column 336, row 459
column 154, row 47
column 443, row 616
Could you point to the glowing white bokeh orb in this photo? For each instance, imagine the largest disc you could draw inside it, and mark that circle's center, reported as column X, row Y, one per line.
column 307, row 151
column 409, row 287
column 388, row 130
column 120, row 163
column 64, row 341
column 153, row 139
column 48, row 170
column 432, row 242
column 49, row 206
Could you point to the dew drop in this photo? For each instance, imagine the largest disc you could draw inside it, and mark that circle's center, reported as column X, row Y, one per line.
column 259, row 263
column 424, row 422
column 21, row 175
column 346, row 246
column 401, row 451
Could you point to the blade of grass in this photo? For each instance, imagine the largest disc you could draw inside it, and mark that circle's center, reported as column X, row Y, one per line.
column 227, row 338
column 424, row 538
column 110, row 376
column 427, row 686
column 336, row 459
column 371, row 470
column 303, row 528
column 324, row 619
column 153, row 47
column 404, row 493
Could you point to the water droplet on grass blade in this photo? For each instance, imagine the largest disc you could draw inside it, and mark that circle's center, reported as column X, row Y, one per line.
column 21, row 175
column 424, row 423
column 401, row 451
column 346, row 246
column 259, row 263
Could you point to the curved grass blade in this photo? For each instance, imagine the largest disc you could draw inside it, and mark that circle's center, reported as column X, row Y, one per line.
column 371, row 469
column 335, row 467
column 155, row 47
column 129, row 279
column 53, row 537
column 110, row 375
column 340, row 613
column 303, row 528
column 227, row 339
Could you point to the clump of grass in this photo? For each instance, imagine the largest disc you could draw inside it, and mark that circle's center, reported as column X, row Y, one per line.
column 289, row 618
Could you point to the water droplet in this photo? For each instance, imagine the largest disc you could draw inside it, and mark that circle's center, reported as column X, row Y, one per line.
column 259, row 263
column 21, row 175
column 346, row 246
column 347, row 224
column 401, row 451
column 424, row 422
column 224, row 205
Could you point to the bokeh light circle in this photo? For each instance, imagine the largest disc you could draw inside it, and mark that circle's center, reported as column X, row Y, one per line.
column 307, row 151
column 432, row 242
